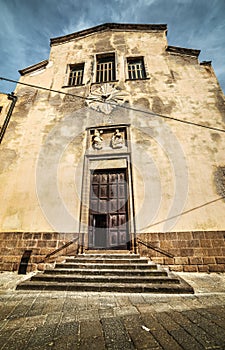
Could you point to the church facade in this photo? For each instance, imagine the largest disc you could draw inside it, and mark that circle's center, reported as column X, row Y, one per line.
column 116, row 142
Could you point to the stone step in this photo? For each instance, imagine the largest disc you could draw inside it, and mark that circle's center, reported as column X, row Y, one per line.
column 108, row 252
column 104, row 279
column 168, row 288
column 109, row 256
column 115, row 272
column 101, row 260
column 126, row 266
column 128, row 273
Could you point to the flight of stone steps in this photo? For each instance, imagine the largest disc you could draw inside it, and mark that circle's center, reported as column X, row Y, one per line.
column 128, row 273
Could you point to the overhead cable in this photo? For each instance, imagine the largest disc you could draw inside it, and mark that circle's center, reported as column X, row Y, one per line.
column 120, row 106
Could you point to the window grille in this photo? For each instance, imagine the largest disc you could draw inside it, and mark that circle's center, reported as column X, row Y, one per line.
column 76, row 74
column 136, row 69
column 105, row 68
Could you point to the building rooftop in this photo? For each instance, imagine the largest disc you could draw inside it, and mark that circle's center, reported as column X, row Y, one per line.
column 109, row 26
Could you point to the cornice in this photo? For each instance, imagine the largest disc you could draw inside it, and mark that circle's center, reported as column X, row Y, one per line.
column 34, row 67
column 183, row 51
column 108, row 26
column 206, row 63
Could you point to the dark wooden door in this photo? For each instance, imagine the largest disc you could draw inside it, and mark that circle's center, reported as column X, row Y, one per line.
column 108, row 228
column 100, row 226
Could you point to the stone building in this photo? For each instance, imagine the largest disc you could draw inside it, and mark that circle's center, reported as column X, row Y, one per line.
column 116, row 139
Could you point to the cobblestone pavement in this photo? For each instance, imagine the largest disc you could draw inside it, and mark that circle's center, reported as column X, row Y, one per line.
column 70, row 320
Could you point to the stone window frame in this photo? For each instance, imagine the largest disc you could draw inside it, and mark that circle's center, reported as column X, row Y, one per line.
column 136, row 58
column 104, row 54
column 69, row 68
column 76, row 74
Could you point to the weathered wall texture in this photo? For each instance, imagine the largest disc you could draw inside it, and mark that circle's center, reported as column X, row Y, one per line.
column 4, row 107
column 173, row 164
column 14, row 244
column 197, row 251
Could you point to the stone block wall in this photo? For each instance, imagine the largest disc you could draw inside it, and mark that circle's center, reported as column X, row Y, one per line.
column 202, row 251
column 14, row 244
column 199, row 251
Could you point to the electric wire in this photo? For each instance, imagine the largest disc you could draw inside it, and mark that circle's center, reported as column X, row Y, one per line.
column 145, row 112
column 120, row 106
column 184, row 212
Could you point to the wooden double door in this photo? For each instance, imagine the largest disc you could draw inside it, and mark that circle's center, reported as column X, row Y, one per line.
column 108, row 213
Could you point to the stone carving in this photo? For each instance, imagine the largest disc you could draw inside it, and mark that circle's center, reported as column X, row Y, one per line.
column 117, row 139
column 105, row 98
column 97, row 139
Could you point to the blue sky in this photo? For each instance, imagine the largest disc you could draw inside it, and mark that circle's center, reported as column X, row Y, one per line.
column 26, row 27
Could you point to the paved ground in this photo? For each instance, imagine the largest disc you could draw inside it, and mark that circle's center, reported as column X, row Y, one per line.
column 70, row 320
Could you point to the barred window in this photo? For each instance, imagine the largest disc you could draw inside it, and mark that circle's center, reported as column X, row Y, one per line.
column 76, row 74
column 136, row 68
column 105, row 68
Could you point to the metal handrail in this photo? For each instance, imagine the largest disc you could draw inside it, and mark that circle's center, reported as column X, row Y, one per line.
column 59, row 249
column 159, row 250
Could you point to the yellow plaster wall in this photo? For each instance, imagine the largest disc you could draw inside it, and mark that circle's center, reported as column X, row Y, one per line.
column 55, row 125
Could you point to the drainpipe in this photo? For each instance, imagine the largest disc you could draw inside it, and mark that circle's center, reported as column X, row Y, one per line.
column 13, row 98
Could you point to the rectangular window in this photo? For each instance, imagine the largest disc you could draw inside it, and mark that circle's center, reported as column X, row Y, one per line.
column 1, row 109
column 76, row 74
column 105, row 68
column 136, row 68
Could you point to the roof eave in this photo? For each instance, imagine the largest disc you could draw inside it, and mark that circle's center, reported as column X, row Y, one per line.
column 108, row 26
column 183, row 51
column 34, row 67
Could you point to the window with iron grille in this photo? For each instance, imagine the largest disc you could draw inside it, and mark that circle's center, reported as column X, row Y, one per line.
column 136, row 68
column 105, row 68
column 76, row 74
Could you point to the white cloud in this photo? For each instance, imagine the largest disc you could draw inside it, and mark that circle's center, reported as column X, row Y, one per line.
column 26, row 26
